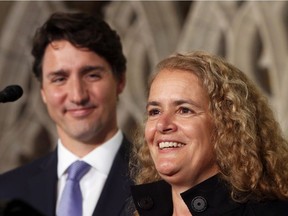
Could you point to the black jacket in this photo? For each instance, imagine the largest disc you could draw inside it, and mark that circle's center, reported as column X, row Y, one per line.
column 35, row 185
column 209, row 198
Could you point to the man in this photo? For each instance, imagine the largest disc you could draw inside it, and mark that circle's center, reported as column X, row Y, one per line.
column 81, row 67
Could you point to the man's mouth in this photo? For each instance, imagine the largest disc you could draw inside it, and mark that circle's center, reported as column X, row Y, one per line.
column 80, row 112
column 163, row 145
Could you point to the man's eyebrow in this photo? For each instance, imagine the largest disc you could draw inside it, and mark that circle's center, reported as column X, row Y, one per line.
column 88, row 68
column 84, row 69
column 57, row 73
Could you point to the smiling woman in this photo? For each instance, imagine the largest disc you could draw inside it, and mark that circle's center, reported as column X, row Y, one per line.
column 179, row 127
column 208, row 148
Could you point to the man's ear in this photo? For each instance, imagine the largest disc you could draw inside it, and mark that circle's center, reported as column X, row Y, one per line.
column 121, row 83
column 43, row 96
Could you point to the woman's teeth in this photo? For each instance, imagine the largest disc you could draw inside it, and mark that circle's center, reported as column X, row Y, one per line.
column 163, row 145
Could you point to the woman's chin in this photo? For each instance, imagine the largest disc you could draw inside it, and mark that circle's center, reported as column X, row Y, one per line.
column 167, row 170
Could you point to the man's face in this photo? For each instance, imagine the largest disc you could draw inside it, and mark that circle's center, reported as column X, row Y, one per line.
column 80, row 92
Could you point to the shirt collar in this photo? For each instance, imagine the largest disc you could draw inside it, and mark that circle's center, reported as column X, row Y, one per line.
column 101, row 158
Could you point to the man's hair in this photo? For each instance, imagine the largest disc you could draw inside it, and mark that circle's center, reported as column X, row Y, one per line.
column 83, row 31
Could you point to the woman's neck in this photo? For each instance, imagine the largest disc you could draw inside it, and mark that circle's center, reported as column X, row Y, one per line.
column 179, row 206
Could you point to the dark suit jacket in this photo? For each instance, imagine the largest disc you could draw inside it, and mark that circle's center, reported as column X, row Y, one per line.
column 209, row 198
column 36, row 185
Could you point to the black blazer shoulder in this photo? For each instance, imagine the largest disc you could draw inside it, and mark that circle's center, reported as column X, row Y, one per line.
column 209, row 198
column 34, row 184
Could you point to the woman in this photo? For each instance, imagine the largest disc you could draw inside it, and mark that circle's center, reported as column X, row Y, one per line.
column 212, row 145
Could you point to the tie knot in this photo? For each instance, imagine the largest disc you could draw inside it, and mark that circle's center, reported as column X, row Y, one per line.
column 77, row 170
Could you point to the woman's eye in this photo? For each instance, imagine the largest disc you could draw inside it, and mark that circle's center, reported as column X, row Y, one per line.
column 185, row 110
column 153, row 112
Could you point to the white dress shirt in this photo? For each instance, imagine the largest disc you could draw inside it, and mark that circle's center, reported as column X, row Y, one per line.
column 100, row 160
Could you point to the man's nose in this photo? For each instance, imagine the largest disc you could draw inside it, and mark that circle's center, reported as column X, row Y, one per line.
column 78, row 92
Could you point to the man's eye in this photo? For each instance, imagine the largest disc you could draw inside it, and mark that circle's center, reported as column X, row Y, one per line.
column 94, row 76
column 58, row 79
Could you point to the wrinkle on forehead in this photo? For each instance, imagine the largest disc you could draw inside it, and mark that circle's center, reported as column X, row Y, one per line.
column 56, row 45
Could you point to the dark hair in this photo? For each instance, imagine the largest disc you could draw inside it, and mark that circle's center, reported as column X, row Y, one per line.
column 83, row 31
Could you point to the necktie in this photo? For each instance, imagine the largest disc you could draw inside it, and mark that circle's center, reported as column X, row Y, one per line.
column 71, row 199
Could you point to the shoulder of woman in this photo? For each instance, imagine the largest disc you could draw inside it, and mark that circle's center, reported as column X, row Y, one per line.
column 272, row 207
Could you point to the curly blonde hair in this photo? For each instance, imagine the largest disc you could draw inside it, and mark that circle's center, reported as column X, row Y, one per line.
column 251, row 151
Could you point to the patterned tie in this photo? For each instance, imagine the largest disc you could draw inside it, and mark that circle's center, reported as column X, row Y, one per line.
column 71, row 199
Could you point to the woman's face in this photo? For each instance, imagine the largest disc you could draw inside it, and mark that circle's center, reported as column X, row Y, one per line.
column 179, row 129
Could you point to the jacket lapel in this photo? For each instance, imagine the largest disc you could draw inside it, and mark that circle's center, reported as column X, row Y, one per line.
column 43, row 185
column 116, row 190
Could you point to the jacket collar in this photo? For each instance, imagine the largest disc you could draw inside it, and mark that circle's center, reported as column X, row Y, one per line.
column 210, row 197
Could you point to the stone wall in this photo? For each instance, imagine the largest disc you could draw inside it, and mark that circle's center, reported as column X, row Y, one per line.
column 250, row 34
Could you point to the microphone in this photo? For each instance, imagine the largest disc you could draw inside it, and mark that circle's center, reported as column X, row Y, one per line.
column 11, row 93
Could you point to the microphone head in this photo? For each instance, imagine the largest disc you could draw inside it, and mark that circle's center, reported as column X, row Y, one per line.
column 11, row 93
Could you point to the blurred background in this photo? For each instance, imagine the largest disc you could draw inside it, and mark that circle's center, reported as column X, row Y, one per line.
column 250, row 34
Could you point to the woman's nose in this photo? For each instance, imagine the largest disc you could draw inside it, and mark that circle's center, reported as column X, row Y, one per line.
column 166, row 124
column 78, row 92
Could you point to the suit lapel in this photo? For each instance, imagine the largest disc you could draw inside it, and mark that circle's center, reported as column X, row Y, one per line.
column 43, row 185
column 116, row 190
